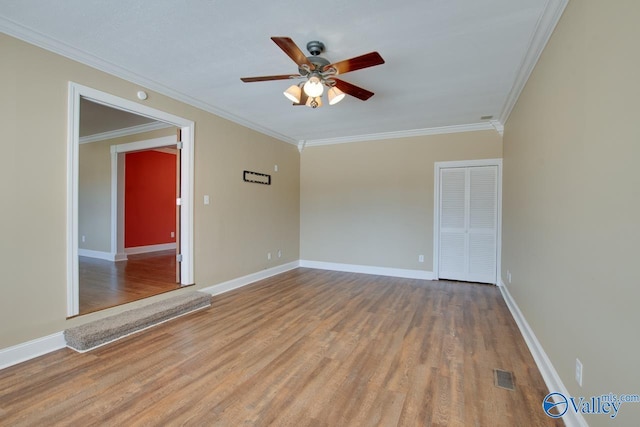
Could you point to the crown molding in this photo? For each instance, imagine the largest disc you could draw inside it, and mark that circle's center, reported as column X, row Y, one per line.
column 36, row 38
column 544, row 28
column 133, row 130
column 403, row 134
column 499, row 127
column 301, row 145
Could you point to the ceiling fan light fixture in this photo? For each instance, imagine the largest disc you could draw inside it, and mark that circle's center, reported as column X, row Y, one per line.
column 335, row 95
column 318, row 72
column 313, row 87
column 293, row 93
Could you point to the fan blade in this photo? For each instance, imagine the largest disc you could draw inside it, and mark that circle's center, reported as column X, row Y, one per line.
column 267, row 78
column 359, row 62
column 294, row 52
column 353, row 90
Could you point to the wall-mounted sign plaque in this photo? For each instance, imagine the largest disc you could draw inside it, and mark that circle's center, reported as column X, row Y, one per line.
column 258, row 178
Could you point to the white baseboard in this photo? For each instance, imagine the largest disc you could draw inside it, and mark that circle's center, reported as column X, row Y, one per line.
column 22, row 352
column 97, row 254
column 549, row 373
column 150, row 248
column 248, row 279
column 367, row 269
column 108, row 256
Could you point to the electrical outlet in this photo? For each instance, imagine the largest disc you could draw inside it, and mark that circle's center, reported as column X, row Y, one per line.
column 509, row 276
column 279, row 253
column 84, row 238
column 173, row 234
column 268, row 255
column 420, row 258
column 579, row 372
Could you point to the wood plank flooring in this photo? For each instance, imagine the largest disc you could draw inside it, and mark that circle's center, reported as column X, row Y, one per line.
column 304, row 348
column 106, row 284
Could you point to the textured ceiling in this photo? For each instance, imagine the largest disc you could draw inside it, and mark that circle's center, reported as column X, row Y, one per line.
column 447, row 62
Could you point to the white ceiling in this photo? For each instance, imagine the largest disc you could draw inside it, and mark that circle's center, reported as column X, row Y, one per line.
column 448, row 62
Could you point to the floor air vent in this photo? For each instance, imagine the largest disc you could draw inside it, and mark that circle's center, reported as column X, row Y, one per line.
column 503, row 379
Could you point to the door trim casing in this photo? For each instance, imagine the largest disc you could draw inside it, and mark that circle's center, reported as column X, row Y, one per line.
column 436, row 211
column 75, row 92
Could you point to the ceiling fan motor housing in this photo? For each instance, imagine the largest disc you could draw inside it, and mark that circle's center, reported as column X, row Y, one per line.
column 315, row 47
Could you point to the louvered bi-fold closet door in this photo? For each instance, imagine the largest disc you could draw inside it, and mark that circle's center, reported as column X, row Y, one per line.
column 468, row 215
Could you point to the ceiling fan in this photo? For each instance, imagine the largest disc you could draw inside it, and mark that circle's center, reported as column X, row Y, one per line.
column 319, row 73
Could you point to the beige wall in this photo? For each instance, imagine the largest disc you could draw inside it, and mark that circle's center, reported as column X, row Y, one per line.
column 94, row 196
column 232, row 235
column 371, row 203
column 571, row 203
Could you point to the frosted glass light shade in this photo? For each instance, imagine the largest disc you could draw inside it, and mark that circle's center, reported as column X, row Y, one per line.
column 313, row 87
column 335, row 95
column 293, row 93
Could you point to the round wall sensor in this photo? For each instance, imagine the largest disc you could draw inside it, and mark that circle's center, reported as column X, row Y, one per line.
column 142, row 95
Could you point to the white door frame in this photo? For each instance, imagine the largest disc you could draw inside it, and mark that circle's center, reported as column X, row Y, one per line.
column 77, row 91
column 436, row 210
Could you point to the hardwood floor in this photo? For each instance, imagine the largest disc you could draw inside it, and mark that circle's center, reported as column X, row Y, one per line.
column 304, row 348
column 106, row 284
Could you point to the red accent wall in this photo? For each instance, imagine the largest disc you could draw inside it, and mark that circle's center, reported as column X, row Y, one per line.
column 150, row 198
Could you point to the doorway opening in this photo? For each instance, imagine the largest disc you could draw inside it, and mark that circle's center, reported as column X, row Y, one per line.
column 144, row 188
column 139, row 270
